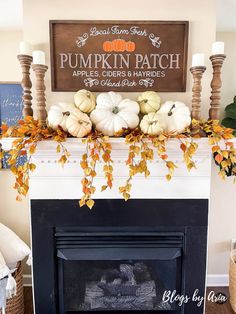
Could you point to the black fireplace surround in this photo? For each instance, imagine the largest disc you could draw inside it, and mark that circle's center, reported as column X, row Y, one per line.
column 136, row 256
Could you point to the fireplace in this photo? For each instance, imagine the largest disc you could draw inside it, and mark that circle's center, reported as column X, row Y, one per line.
column 147, row 255
column 119, row 257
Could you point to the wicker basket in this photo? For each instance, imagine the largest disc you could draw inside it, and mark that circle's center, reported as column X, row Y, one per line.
column 232, row 280
column 15, row 305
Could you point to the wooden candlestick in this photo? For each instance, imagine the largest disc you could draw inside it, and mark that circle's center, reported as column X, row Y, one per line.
column 217, row 62
column 25, row 62
column 40, row 71
column 197, row 73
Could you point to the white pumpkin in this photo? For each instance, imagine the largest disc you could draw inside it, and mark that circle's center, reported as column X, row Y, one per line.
column 149, row 101
column 177, row 116
column 85, row 101
column 113, row 113
column 58, row 115
column 78, row 123
column 152, row 123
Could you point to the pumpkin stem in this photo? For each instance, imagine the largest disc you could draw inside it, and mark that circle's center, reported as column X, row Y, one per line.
column 144, row 101
column 152, row 122
column 83, row 121
column 171, row 112
column 115, row 110
column 66, row 113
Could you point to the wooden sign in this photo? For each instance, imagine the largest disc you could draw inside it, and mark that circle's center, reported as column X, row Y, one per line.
column 119, row 55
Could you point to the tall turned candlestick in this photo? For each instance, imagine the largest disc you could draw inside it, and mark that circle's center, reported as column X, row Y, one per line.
column 25, row 62
column 217, row 62
column 40, row 71
column 197, row 72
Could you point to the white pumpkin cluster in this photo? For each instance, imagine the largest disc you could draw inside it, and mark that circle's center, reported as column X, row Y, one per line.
column 73, row 118
column 170, row 117
column 110, row 114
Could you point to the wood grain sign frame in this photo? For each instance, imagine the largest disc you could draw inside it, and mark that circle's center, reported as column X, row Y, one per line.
column 127, row 56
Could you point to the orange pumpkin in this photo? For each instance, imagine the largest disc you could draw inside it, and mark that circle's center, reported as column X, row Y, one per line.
column 107, row 46
column 130, row 46
column 119, row 45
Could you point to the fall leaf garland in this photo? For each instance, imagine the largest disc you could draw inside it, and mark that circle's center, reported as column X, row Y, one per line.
column 97, row 149
column 141, row 152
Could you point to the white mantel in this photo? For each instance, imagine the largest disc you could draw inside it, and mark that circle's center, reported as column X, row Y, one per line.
column 52, row 181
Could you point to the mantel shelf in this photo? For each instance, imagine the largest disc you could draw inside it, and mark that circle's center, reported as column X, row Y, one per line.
column 75, row 145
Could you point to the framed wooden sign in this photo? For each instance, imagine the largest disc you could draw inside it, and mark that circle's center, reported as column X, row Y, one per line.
column 119, row 55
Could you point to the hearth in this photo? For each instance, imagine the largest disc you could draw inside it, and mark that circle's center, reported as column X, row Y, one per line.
column 119, row 257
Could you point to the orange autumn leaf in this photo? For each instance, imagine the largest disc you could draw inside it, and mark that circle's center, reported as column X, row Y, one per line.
column 218, row 158
column 183, row 147
column 4, row 128
column 62, row 160
column 103, row 188
column 90, row 203
column 215, row 148
column 171, row 165
column 18, row 198
column 106, row 157
column 164, row 157
column 32, row 149
column 168, row 177
column 32, row 167
column 229, row 144
column 81, row 202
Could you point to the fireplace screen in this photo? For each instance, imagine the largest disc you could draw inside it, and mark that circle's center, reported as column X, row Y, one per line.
column 125, row 285
column 119, row 278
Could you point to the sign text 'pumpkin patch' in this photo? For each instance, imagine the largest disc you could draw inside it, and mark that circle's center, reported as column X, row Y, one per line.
column 120, row 56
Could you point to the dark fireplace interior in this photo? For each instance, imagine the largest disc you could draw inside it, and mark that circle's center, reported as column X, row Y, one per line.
column 119, row 257
column 118, row 271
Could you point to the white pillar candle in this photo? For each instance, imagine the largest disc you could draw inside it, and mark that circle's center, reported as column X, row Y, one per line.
column 218, row 48
column 25, row 48
column 39, row 57
column 198, row 60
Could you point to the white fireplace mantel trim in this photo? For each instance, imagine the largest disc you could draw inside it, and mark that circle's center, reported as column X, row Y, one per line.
column 52, row 181
column 76, row 147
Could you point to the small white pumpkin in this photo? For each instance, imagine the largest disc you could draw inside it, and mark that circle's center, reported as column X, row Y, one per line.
column 78, row 123
column 58, row 114
column 152, row 123
column 177, row 116
column 149, row 101
column 85, row 101
column 113, row 113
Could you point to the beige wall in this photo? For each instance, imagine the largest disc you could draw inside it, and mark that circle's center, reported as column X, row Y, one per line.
column 229, row 69
column 9, row 68
column 202, row 34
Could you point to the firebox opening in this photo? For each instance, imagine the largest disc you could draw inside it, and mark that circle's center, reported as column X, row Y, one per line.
column 119, row 272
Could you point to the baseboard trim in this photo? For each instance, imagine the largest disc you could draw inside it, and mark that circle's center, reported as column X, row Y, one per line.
column 217, row 280
column 212, row 280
